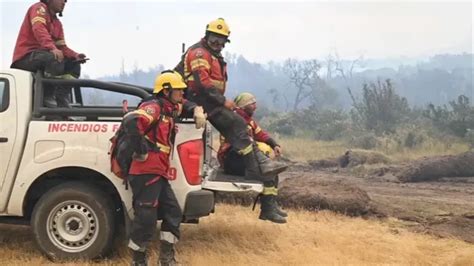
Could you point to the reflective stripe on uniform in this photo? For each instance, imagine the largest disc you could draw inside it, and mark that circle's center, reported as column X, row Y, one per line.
column 38, row 19
column 246, row 150
column 168, row 237
column 60, row 42
column 134, row 246
column 163, row 148
column 144, row 113
column 257, row 130
column 196, row 63
column 270, row 191
column 218, row 84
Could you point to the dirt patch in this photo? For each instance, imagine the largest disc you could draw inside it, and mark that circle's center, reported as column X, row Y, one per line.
column 310, row 193
column 437, row 167
column 350, row 159
column 453, row 227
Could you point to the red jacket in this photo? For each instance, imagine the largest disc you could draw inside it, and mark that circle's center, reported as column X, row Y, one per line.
column 157, row 162
column 205, row 70
column 41, row 30
column 254, row 130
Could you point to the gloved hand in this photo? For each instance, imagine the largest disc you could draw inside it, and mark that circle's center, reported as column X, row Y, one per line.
column 277, row 150
column 81, row 58
column 229, row 104
column 199, row 117
column 140, row 157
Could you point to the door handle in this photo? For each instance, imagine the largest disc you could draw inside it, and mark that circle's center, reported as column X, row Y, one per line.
column 3, row 139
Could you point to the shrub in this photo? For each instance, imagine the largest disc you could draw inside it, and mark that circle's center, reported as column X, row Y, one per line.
column 380, row 108
column 456, row 119
column 364, row 141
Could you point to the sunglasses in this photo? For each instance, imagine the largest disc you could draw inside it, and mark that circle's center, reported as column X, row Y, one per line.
column 214, row 39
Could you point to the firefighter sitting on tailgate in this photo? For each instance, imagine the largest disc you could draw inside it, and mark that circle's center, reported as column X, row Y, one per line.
column 148, row 178
column 204, row 70
column 233, row 164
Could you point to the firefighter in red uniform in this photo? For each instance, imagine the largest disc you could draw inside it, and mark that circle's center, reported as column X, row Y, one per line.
column 41, row 46
column 152, row 126
column 233, row 164
column 204, row 70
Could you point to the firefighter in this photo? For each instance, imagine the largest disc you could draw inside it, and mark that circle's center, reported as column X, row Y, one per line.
column 41, row 46
column 152, row 127
column 204, row 70
column 233, row 164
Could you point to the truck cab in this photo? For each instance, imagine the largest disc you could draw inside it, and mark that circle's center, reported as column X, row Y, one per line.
column 55, row 168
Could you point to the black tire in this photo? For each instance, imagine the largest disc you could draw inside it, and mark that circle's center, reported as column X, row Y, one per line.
column 74, row 221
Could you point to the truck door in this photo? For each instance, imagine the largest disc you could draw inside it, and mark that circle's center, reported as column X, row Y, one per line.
column 8, row 124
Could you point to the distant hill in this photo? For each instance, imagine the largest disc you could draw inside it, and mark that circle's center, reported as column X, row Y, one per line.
column 438, row 79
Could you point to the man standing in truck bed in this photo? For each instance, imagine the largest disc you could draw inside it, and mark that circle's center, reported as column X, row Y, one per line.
column 204, row 70
column 41, row 46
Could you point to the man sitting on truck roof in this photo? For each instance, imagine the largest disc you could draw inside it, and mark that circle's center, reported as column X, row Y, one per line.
column 41, row 46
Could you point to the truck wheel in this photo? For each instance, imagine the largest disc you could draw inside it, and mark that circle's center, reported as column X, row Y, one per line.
column 73, row 221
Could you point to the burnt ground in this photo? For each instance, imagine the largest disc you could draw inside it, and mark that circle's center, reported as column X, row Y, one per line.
column 443, row 207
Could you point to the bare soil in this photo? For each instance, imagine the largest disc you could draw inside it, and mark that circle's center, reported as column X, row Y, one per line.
column 441, row 206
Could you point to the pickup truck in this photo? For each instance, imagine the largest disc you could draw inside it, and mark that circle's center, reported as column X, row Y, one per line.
column 55, row 169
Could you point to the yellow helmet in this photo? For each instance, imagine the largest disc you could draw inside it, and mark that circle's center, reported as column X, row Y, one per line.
column 169, row 79
column 244, row 99
column 265, row 148
column 218, row 26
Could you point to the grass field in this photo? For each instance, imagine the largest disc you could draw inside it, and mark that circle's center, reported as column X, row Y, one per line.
column 301, row 149
column 234, row 236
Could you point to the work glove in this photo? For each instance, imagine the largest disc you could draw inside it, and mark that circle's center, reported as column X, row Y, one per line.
column 229, row 104
column 277, row 150
column 140, row 157
column 81, row 58
column 199, row 117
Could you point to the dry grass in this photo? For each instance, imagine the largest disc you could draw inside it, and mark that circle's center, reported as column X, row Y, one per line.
column 234, row 236
column 300, row 149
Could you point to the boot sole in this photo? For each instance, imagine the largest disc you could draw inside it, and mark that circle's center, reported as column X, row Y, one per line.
column 275, row 171
column 273, row 221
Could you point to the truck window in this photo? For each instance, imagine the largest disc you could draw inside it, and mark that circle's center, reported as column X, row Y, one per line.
column 96, row 97
column 4, row 95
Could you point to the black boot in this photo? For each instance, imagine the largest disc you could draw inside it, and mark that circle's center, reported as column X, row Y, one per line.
column 139, row 258
column 268, row 211
column 257, row 164
column 48, row 99
column 63, row 96
column 279, row 211
column 277, row 208
column 167, row 254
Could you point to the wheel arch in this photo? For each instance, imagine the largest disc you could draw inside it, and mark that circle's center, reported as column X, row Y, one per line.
column 58, row 176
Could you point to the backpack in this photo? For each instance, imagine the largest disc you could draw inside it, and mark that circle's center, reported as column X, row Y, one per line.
column 122, row 148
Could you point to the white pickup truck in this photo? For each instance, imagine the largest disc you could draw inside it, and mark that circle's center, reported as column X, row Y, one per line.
column 55, row 174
